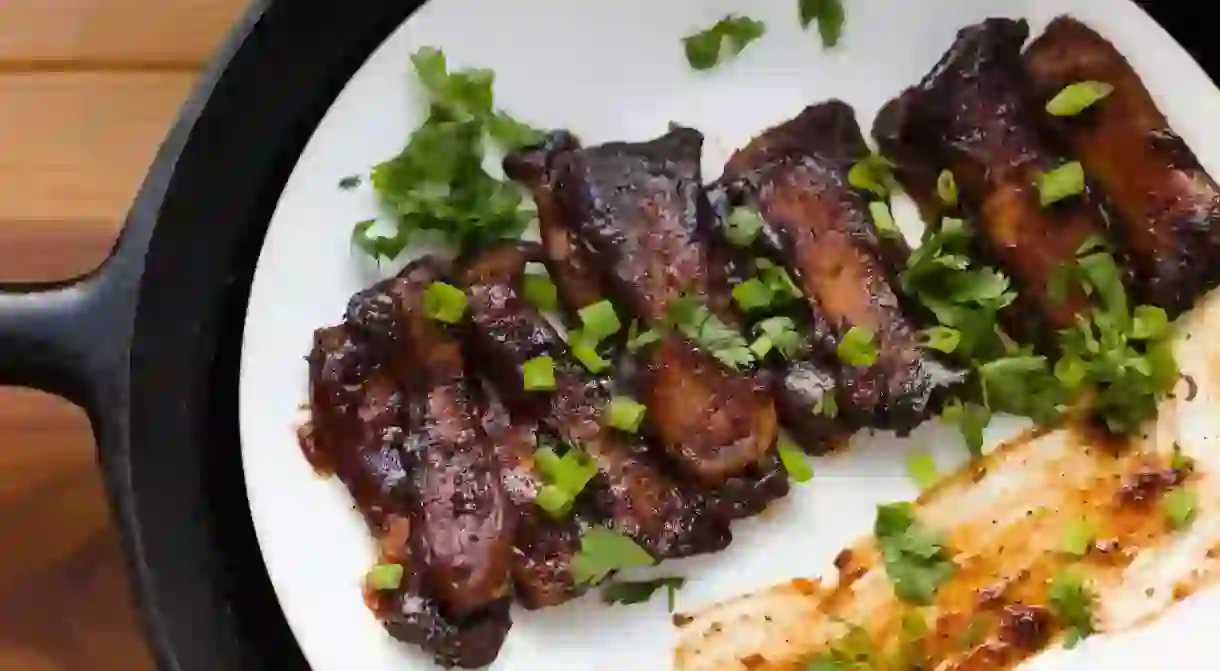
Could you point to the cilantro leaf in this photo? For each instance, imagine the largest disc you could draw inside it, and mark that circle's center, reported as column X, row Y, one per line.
column 603, row 551
column 1071, row 601
column 722, row 41
column 697, row 323
column 628, row 593
column 829, row 15
column 915, row 559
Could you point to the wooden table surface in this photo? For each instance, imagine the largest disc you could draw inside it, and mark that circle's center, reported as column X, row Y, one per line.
column 88, row 89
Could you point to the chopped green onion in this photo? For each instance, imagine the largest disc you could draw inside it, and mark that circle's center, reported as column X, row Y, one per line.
column 539, row 374
column 883, row 219
column 603, row 551
column 794, row 460
column 586, row 352
column 778, row 280
column 1149, row 323
column 384, row 577
column 444, row 303
column 856, row 347
column 1078, row 537
column 829, row 15
column 742, row 226
column 1063, row 182
column 1179, row 507
column 753, row 295
column 871, row 174
column 921, row 468
column 541, row 291
column 566, row 477
column 721, row 42
column 600, row 321
column 762, row 346
column 553, row 500
column 625, row 414
column 941, row 338
column 946, row 188
column 1076, row 98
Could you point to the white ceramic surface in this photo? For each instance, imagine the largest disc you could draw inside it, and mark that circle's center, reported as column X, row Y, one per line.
column 614, row 69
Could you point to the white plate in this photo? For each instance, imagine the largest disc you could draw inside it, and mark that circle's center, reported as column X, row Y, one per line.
column 614, row 70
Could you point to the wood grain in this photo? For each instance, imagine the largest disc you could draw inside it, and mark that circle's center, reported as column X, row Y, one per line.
column 88, row 88
column 141, row 35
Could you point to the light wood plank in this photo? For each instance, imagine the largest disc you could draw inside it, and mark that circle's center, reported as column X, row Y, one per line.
column 65, row 34
column 75, row 149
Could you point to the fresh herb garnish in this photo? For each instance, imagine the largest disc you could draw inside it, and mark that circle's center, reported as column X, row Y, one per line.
column 628, row 593
column 541, row 292
column 378, row 246
column 599, row 321
column 941, row 338
column 781, row 334
column 778, row 281
column 1179, row 506
column 565, row 477
column 742, row 226
column 915, row 559
column 856, row 347
column 538, row 374
column 697, row 323
column 1076, row 98
column 921, row 468
column 883, row 219
column 1071, row 601
column 829, row 15
column 1063, row 182
column 753, row 295
column 603, row 551
column 722, row 42
column 971, row 419
column 794, row 460
column 1078, row 537
column 585, row 351
column 852, row 651
column 384, row 577
column 444, row 303
column 946, row 188
column 638, row 340
column 437, row 182
column 872, row 174
column 625, row 414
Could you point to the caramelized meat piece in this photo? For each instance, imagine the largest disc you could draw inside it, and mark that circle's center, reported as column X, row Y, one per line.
column 821, row 230
column 631, row 493
column 464, row 518
column 973, row 115
column 542, row 559
column 358, row 414
column 1167, row 206
column 472, row 642
column 1025, row 627
column 636, row 212
column 358, row 429
column 803, row 388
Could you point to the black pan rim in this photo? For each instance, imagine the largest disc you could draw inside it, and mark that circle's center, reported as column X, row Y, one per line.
column 166, row 408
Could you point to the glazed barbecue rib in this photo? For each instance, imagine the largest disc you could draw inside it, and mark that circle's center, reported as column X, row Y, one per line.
column 544, row 547
column 358, row 433
column 631, row 493
column 973, row 115
column 1167, row 207
column 571, row 266
column 462, row 519
column 821, row 230
column 636, row 212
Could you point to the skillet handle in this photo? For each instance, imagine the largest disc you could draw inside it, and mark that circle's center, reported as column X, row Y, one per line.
column 72, row 338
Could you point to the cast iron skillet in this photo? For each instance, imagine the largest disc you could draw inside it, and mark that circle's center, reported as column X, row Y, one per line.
column 149, row 343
